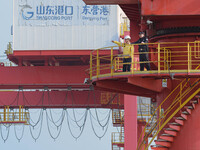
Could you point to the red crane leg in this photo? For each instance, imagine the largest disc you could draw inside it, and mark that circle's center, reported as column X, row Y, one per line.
column 130, row 122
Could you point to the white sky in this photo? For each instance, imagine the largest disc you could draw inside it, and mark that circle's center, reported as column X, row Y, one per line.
column 88, row 141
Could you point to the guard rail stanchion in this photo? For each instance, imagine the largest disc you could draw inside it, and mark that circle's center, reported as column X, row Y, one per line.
column 188, row 46
column 91, row 66
column 158, row 57
column 98, row 64
column 111, row 60
column 132, row 59
column 20, row 113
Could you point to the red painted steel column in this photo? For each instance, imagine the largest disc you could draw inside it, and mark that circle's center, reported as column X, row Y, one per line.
column 134, row 30
column 130, row 122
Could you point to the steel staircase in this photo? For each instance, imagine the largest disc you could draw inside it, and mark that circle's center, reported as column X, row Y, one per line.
column 144, row 113
column 165, row 140
column 170, row 121
column 118, row 137
column 118, row 117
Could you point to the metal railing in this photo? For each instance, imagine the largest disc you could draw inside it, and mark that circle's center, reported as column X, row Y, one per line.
column 9, row 49
column 145, row 113
column 118, row 119
column 124, row 26
column 181, row 99
column 118, row 116
column 145, row 110
column 118, row 137
column 17, row 116
column 172, row 57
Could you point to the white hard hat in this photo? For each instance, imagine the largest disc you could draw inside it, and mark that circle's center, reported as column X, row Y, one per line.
column 127, row 37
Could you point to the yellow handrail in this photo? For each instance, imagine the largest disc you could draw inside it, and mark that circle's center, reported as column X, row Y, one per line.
column 158, row 57
column 124, row 27
column 118, row 117
column 8, row 116
column 168, row 57
column 117, row 137
column 159, row 108
column 172, row 115
column 188, row 57
column 9, row 49
column 181, row 86
column 177, row 101
column 91, row 66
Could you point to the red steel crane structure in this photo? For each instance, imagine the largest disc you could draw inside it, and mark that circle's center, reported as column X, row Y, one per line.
column 173, row 82
column 173, row 28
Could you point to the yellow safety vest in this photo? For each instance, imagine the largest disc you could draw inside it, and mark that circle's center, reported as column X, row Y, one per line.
column 126, row 49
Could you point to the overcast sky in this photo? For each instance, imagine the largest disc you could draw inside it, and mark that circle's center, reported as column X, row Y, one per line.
column 88, row 141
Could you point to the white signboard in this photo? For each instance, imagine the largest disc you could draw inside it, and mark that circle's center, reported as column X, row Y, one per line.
column 61, row 12
column 64, row 25
column 164, row 82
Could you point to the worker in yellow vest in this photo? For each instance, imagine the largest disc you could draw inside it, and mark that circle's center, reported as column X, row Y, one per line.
column 126, row 52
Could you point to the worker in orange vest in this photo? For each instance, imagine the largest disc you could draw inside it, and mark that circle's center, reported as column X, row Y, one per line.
column 126, row 52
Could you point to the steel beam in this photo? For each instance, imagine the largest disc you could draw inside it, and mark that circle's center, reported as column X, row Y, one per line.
column 29, row 77
column 125, row 88
column 57, row 99
column 147, row 83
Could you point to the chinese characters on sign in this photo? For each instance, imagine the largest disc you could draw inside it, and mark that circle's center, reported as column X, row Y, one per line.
column 95, row 13
column 95, row 10
column 54, row 10
column 74, row 13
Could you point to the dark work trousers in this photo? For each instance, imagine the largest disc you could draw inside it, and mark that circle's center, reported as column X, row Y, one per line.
column 126, row 67
column 144, row 57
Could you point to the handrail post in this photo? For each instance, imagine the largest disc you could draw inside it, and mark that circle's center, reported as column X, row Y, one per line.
column 8, row 113
column 195, row 49
column 22, row 113
column 91, row 66
column 111, row 60
column 117, row 66
column 181, row 88
column 98, row 63
column 4, row 112
column 132, row 59
column 160, row 116
column 118, row 63
column 165, row 62
column 188, row 57
column 168, row 61
column 198, row 50
column 20, row 108
column 158, row 57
